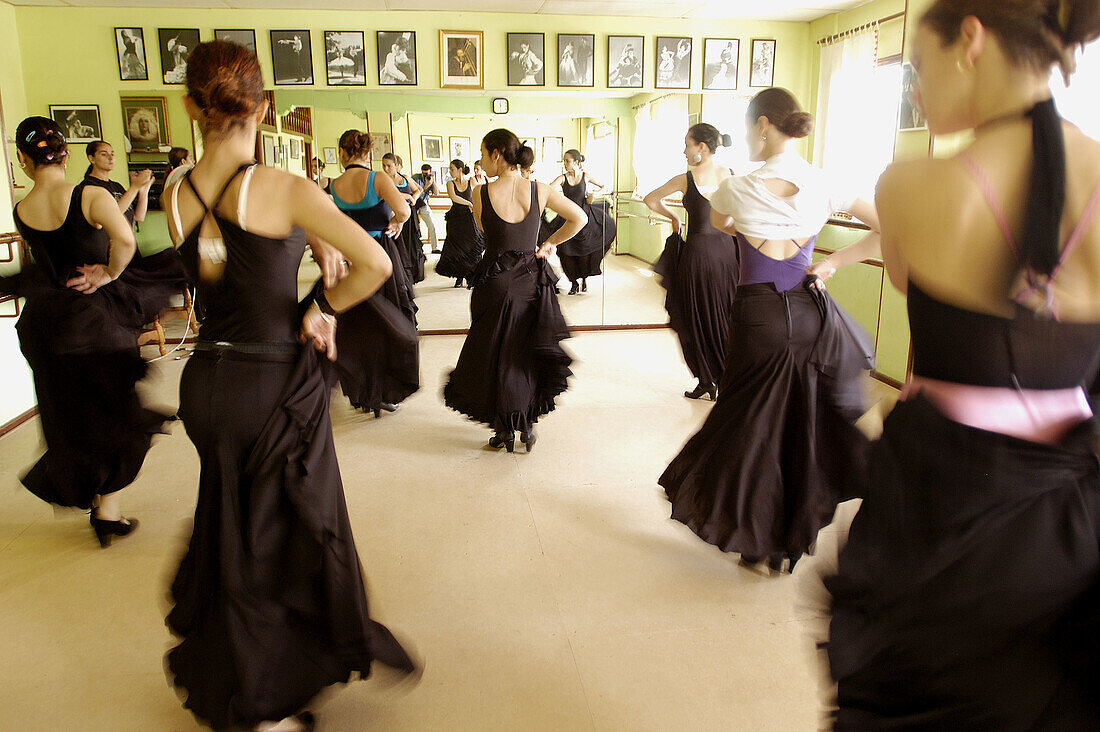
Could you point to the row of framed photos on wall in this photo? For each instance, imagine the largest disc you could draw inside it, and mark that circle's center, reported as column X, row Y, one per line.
column 462, row 58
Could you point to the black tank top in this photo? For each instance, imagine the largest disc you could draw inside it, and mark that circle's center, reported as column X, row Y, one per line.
column 576, row 193
column 468, row 194
column 503, row 236
column 116, row 190
column 256, row 298
column 698, row 209
column 76, row 242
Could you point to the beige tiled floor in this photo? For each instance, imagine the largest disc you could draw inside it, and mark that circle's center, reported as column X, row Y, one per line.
column 547, row 591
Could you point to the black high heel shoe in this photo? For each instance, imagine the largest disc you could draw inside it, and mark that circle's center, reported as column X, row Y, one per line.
column 384, row 407
column 699, row 391
column 584, row 285
column 507, row 440
column 105, row 531
column 528, row 437
column 458, row 282
column 575, row 289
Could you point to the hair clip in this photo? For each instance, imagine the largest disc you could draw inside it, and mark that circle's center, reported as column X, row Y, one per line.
column 41, row 143
column 31, row 135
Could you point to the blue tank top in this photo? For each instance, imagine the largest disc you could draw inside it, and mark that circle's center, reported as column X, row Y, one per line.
column 371, row 213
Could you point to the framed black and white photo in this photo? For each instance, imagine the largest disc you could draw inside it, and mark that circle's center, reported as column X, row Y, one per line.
column 130, row 44
column 762, row 72
column 552, row 149
column 295, row 148
column 673, row 62
column 345, row 58
column 78, row 122
column 397, row 58
column 459, row 148
column 176, row 44
column 526, row 54
column 241, row 36
column 331, row 157
column 460, row 60
column 381, row 144
column 145, row 122
column 909, row 115
column 431, row 147
column 576, row 59
column 624, row 61
column 720, row 63
column 292, row 57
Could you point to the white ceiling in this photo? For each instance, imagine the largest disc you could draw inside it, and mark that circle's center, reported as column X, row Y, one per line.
column 797, row 10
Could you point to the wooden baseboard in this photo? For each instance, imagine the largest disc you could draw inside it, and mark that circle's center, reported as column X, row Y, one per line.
column 888, row 380
column 21, row 419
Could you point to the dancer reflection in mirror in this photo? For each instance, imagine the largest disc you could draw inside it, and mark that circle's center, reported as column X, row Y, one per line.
column 465, row 244
column 582, row 255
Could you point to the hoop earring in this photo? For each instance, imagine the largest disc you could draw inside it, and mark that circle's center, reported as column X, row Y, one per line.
column 964, row 68
column 696, row 158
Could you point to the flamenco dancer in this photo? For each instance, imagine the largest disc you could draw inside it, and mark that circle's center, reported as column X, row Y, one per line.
column 765, row 471
column 700, row 274
column 78, row 332
column 269, row 600
column 582, row 255
column 377, row 349
column 465, row 244
column 967, row 592
column 412, row 250
column 512, row 365
column 134, row 201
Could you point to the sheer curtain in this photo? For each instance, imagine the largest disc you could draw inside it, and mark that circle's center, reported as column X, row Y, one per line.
column 659, row 129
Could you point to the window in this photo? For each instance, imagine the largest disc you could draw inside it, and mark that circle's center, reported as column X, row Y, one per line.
column 1077, row 102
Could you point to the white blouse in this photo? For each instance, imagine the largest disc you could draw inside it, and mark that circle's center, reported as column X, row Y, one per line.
column 759, row 213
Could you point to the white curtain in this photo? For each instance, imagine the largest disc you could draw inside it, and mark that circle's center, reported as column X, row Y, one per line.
column 856, row 116
column 659, row 132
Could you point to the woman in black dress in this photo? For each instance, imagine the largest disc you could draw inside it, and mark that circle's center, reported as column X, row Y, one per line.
column 134, row 201
column 465, row 244
column 269, row 600
column 582, row 255
column 78, row 332
column 377, row 349
column 967, row 593
column 699, row 275
column 409, row 237
column 765, row 471
column 512, row 365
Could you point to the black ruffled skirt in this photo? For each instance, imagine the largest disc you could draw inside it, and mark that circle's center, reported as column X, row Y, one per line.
column 582, row 256
column 700, row 280
column 766, row 470
column 967, row 593
column 412, row 249
column 512, row 365
column 269, row 600
column 463, row 247
column 377, row 346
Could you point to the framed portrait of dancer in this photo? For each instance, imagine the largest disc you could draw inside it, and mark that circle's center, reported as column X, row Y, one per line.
column 331, row 156
column 176, row 44
column 459, row 148
column 291, row 57
column 673, row 63
column 624, row 62
column 762, row 72
column 381, row 143
column 130, row 44
column 396, row 58
column 431, row 147
column 145, row 123
column 576, row 59
column 345, row 58
column 720, row 62
column 461, row 60
column 78, row 122
column 241, row 36
column 526, row 57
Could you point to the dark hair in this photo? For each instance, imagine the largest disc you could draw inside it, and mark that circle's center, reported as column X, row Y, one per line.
column 510, row 148
column 224, row 81
column 40, row 139
column 1039, row 33
column 575, row 154
column 461, row 166
column 707, row 134
column 91, row 149
column 176, row 156
column 356, row 144
column 782, row 110
column 399, row 161
column 390, row 157
column 424, row 167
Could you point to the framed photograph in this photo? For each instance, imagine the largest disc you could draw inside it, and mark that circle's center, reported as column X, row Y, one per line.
column 431, row 147
column 345, row 58
column 295, row 148
column 673, row 62
column 909, row 116
column 242, row 37
column 552, row 148
column 624, row 61
column 397, row 58
column 292, row 57
column 443, row 177
column 382, row 143
column 145, row 123
column 460, row 60
column 130, row 44
column 576, row 59
column 762, row 72
column 531, row 142
column 459, row 148
column 78, row 122
column 271, row 155
column 176, row 44
column 720, row 62
column 331, row 158
column 526, row 52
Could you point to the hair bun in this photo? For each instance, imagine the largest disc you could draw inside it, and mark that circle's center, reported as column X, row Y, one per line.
column 726, row 140
column 797, row 124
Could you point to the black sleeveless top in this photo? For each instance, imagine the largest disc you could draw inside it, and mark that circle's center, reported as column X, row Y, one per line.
column 73, row 244
column 468, row 194
column 576, row 193
column 256, row 298
column 116, row 190
column 698, row 209
column 503, row 236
